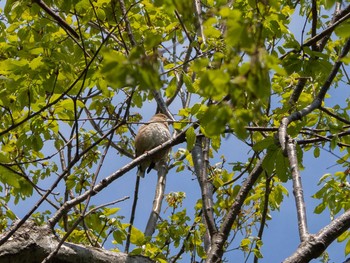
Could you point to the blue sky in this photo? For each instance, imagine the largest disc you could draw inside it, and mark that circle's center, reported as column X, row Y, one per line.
column 281, row 236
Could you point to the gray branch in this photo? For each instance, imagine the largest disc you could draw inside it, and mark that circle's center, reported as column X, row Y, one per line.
column 298, row 190
column 157, row 201
column 32, row 243
column 315, row 245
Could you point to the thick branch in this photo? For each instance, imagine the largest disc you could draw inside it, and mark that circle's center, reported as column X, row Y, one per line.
column 297, row 190
column 32, row 243
column 315, row 245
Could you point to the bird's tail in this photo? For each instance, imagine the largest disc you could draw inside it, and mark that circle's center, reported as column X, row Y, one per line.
column 140, row 172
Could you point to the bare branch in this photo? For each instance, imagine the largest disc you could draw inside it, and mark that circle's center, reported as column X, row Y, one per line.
column 132, row 215
column 315, row 245
column 297, row 91
column 297, row 190
column 157, row 201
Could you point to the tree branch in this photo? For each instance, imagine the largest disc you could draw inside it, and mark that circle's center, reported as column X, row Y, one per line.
column 315, row 245
column 132, row 216
column 200, row 166
column 111, row 178
column 282, row 131
column 297, row 190
column 33, row 243
column 58, row 19
column 219, row 239
column 157, row 201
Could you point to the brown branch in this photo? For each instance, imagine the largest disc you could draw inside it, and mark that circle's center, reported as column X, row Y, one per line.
column 53, row 186
column 320, row 138
column 338, row 18
column 337, row 15
column 282, row 132
column 314, row 22
column 42, row 241
column 56, row 17
column 127, row 23
column 297, row 91
column 264, row 212
column 219, row 239
column 180, row 78
column 73, row 161
column 335, row 115
column 132, row 215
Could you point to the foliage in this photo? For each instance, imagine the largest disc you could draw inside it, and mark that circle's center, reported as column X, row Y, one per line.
column 75, row 77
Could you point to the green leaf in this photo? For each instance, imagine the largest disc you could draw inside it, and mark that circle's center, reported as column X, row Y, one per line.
column 317, row 152
column 328, row 4
column 110, row 211
column 263, row 144
column 7, row 176
column 320, row 208
column 10, row 214
column 36, row 63
column 137, row 237
column 269, row 161
column 119, row 236
column 245, row 242
column 347, row 248
column 282, row 166
column 213, row 122
column 190, row 138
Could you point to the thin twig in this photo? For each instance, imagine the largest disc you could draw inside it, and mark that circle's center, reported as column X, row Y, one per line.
column 127, row 23
column 114, row 176
column 133, row 212
column 264, row 212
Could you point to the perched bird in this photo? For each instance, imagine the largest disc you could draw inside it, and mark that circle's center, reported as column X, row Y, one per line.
column 149, row 136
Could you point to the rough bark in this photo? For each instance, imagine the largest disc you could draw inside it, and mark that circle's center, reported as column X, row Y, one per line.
column 316, row 244
column 32, row 244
